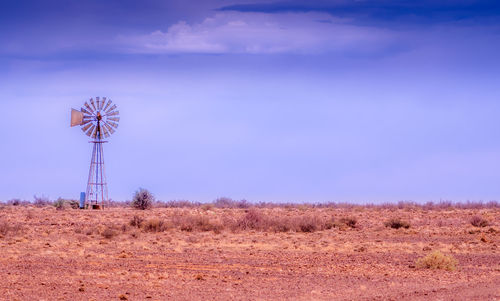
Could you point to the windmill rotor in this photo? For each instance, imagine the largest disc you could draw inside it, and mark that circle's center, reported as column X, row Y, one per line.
column 98, row 118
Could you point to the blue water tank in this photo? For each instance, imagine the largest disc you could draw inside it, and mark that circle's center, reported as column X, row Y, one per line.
column 82, row 200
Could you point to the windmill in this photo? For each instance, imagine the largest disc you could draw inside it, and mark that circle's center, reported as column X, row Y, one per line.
column 98, row 120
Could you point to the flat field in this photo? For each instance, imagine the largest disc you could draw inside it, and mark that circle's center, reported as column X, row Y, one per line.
column 206, row 253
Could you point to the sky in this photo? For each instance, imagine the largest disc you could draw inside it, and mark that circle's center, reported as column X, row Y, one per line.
column 283, row 101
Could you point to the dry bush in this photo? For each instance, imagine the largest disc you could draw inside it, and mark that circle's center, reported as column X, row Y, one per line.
column 136, row 221
column 348, row 221
column 7, row 228
column 254, row 219
column 478, row 221
column 41, row 201
column 109, row 232
column 154, row 225
column 397, row 223
column 178, row 204
column 230, row 203
column 206, row 207
column 309, row 224
column 143, row 199
column 191, row 223
column 437, row 260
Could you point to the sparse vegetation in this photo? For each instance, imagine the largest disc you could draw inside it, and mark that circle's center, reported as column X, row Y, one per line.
column 348, row 221
column 136, row 221
column 256, row 246
column 41, row 201
column 9, row 228
column 109, row 232
column 437, row 260
column 143, row 199
column 478, row 221
column 61, row 204
column 154, row 225
column 396, row 223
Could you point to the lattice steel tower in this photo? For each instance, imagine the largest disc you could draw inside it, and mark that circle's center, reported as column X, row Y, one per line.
column 97, row 120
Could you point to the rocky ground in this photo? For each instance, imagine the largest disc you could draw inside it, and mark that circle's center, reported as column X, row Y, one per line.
column 70, row 254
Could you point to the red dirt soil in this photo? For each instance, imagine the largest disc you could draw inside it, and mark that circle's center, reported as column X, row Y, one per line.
column 96, row 255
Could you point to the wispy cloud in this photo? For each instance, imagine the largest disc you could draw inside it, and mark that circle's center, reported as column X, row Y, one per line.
column 255, row 33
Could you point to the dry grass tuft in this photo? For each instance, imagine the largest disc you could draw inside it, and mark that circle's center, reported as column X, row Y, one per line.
column 136, row 221
column 154, row 225
column 437, row 261
column 396, row 223
column 478, row 221
column 109, row 232
column 348, row 221
column 191, row 223
column 7, row 228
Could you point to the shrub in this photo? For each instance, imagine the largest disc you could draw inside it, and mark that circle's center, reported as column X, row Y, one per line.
column 230, row 203
column 437, row 260
column 154, row 225
column 143, row 199
column 136, row 221
column 61, row 204
column 4, row 228
column 397, row 223
column 348, row 221
column 309, row 224
column 109, row 233
column 190, row 223
column 253, row 219
column 14, row 202
column 478, row 221
column 41, row 201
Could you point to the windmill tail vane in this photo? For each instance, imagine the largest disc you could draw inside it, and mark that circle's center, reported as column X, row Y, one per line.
column 98, row 119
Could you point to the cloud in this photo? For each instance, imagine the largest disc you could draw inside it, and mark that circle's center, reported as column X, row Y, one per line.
column 257, row 33
column 383, row 11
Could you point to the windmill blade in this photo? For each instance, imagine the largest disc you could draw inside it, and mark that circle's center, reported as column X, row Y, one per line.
column 88, row 108
column 85, row 128
column 84, row 122
column 115, row 125
column 93, row 104
column 103, row 101
column 113, row 107
column 115, row 113
column 94, row 134
column 98, row 103
column 85, row 111
column 107, row 105
column 89, row 132
column 109, row 128
column 104, row 130
column 114, row 118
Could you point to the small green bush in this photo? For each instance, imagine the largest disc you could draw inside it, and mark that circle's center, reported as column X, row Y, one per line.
column 437, row 261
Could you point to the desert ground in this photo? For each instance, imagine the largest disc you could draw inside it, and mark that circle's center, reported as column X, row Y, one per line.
column 208, row 253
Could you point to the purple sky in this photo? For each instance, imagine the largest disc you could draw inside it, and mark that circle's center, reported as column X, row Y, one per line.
column 314, row 101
